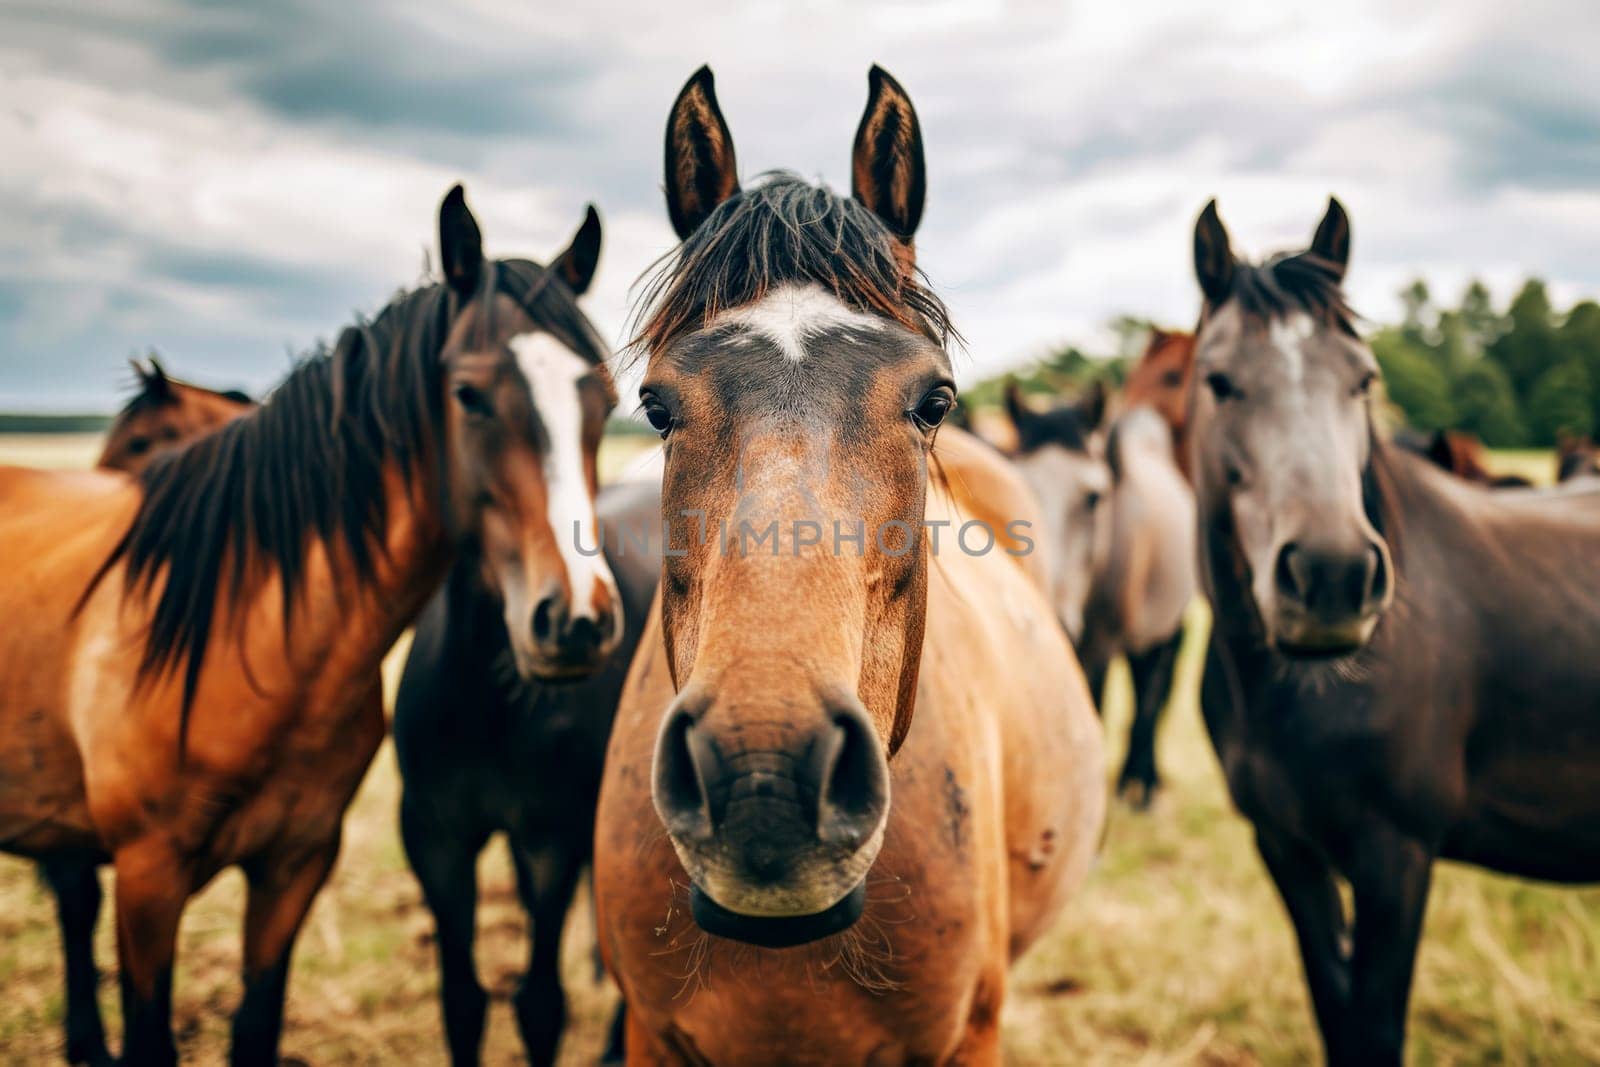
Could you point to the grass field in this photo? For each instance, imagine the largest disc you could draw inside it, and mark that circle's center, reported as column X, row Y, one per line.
column 1176, row 951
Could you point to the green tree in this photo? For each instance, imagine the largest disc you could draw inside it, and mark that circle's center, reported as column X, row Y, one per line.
column 1578, row 340
column 1527, row 348
column 1559, row 403
column 1486, row 405
column 1414, row 382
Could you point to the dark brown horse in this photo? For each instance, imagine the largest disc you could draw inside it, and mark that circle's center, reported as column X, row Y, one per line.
column 1402, row 667
column 834, row 810
column 190, row 677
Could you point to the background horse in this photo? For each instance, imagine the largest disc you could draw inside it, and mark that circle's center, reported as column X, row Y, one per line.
column 1062, row 458
column 1402, row 667
column 307, row 534
column 163, row 414
column 1161, row 380
column 1143, row 582
column 868, row 811
column 483, row 751
column 1120, row 521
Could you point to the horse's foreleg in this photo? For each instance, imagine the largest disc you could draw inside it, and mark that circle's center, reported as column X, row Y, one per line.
column 546, row 880
column 1390, row 880
column 445, row 860
column 1305, row 882
column 153, row 885
column 77, row 891
column 280, row 895
column 1151, row 672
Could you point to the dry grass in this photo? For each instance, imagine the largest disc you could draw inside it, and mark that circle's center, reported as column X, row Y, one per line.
column 1177, row 950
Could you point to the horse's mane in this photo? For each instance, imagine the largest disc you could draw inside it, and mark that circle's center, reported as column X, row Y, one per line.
column 1301, row 281
column 246, row 501
column 782, row 231
column 1063, row 425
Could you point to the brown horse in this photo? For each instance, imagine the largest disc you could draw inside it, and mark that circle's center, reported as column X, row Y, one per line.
column 1460, row 453
column 834, row 808
column 1161, row 380
column 190, row 679
column 164, row 413
column 1577, row 459
column 1403, row 667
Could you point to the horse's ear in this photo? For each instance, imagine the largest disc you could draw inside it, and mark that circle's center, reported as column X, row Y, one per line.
column 460, row 244
column 153, row 380
column 576, row 264
column 1016, row 408
column 1332, row 239
column 1213, row 257
column 887, row 172
column 1093, row 404
column 701, row 169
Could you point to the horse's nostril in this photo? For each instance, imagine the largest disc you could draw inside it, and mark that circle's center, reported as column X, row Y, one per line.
column 1378, row 576
column 583, row 634
column 680, row 792
column 546, row 618
column 853, row 793
column 1289, row 573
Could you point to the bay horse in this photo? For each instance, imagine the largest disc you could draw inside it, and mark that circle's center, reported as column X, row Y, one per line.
column 163, row 413
column 1460, row 453
column 190, row 680
column 834, row 810
column 1403, row 667
column 482, row 750
column 1120, row 516
column 1160, row 380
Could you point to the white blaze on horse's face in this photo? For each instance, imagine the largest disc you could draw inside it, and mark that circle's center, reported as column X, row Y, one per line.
column 1071, row 484
column 1282, row 441
column 556, row 381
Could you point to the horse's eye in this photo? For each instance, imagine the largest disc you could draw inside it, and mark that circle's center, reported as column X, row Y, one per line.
column 473, row 400
column 139, row 446
column 657, row 414
column 1364, row 386
column 1092, row 500
column 1172, row 379
column 934, row 408
column 1221, row 386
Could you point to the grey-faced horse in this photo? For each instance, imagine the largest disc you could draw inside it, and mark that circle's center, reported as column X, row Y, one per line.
column 1403, row 666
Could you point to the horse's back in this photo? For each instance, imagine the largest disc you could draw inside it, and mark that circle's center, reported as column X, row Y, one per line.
column 1152, row 550
column 984, row 487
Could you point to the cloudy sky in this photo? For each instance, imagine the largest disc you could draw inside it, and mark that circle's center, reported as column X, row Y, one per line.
column 230, row 182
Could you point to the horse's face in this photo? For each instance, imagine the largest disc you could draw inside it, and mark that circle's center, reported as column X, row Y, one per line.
column 1060, row 457
column 1162, row 377
column 797, row 432
column 165, row 414
column 524, row 417
column 1281, row 439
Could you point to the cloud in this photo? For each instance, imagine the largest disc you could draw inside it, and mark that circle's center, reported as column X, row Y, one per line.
column 230, row 182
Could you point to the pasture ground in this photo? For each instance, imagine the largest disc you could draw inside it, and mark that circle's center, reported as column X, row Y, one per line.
column 1176, row 951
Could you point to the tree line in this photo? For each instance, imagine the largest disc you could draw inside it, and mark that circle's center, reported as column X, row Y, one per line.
column 1520, row 377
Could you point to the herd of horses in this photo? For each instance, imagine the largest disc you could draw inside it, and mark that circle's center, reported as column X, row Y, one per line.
column 828, row 791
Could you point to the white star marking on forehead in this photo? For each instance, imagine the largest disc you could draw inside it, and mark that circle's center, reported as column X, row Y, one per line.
column 787, row 315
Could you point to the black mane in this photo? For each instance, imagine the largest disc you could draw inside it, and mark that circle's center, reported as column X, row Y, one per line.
column 246, row 501
column 1066, row 426
column 1299, row 282
column 781, row 231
